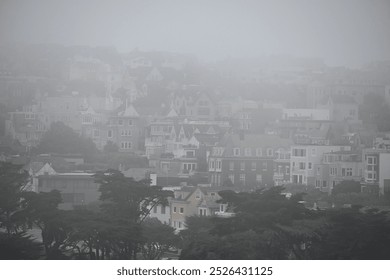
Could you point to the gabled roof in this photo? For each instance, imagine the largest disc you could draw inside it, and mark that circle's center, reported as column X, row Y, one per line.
column 172, row 113
column 129, row 112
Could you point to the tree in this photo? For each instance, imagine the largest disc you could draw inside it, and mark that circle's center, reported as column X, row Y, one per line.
column 346, row 186
column 62, row 139
column 266, row 225
column 13, row 182
column 41, row 210
column 128, row 202
column 353, row 234
column 125, row 197
column 159, row 238
column 375, row 110
column 19, row 246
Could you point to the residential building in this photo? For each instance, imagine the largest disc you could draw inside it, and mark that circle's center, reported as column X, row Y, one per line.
column 192, row 201
column 247, row 161
column 336, row 167
column 77, row 189
column 306, row 158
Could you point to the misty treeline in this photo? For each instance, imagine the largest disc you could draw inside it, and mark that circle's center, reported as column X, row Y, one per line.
column 118, row 228
column 266, row 225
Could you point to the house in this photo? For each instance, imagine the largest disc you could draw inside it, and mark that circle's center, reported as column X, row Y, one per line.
column 125, row 129
column 195, row 104
column 376, row 164
column 306, row 158
column 192, row 201
column 77, row 189
column 27, row 126
column 336, row 167
column 249, row 161
column 36, row 169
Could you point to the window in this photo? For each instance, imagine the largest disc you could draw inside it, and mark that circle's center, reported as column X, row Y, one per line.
column 236, row 152
column 231, row 178
column 313, row 151
column 333, row 171
column 258, row 152
column 202, row 212
column 181, row 210
column 371, row 160
column 309, row 165
column 231, row 165
column 318, row 170
column 155, row 209
column 174, row 209
column 179, row 225
column 125, row 145
column 125, row 133
column 130, row 122
column 242, row 166
column 287, row 170
column 299, row 152
column 242, row 177
column 302, row 165
column 348, row 172
column 270, row 152
column 162, row 209
column 248, row 152
column 120, row 122
column 259, row 178
column 265, row 167
column 219, row 165
column 109, row 134
column 254, row 165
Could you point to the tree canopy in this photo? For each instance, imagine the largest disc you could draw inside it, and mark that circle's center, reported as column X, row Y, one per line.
column 62, row 139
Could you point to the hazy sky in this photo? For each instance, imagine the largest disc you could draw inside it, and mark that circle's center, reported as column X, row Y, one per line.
column 339, row 31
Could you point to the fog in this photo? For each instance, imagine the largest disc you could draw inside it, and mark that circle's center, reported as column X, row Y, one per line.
column 342, row 32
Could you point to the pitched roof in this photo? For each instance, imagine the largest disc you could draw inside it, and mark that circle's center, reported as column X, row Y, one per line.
column 129, row 112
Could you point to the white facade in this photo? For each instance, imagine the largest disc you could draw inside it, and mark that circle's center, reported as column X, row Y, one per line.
column 305, row 158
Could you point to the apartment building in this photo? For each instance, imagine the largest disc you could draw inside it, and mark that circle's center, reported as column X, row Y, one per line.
column 304, row 159
column 249, row 161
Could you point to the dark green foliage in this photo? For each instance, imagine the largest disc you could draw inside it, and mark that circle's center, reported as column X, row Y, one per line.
column 347, row 186
column 375, row 111
column 19, row 246
column 13, row 181
column 353, row 234
column 41, row 211
column 127, row 198
column 158, row 238
column 62, row 139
